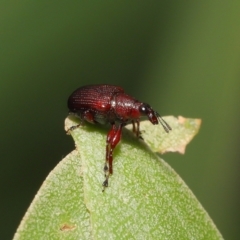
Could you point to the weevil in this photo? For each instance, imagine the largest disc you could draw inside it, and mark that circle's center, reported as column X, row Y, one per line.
column 110, row 104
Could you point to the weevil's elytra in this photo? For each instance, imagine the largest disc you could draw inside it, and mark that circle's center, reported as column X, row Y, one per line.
column 109, row 104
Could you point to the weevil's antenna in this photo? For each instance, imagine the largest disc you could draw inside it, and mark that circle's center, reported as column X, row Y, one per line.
column 166, row 127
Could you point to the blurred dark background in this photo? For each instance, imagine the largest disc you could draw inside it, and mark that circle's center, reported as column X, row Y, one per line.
column 182, row 57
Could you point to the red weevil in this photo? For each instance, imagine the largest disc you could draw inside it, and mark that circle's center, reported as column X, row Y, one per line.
column 109, row 104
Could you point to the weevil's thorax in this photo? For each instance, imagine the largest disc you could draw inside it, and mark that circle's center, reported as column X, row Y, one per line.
column 125, row 107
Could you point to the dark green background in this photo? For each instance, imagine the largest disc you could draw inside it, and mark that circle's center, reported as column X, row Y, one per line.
column 182, row 57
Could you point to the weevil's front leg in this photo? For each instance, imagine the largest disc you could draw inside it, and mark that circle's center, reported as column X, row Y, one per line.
column 136, row 129
column 113, row 138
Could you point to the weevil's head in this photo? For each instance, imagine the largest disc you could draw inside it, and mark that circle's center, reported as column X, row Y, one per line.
column 153, row 116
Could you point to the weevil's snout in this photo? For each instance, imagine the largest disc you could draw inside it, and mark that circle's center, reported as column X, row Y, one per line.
column 146, row 110
column 154, row 117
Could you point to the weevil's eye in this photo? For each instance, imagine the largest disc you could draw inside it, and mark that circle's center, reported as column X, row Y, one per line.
column 144, row 108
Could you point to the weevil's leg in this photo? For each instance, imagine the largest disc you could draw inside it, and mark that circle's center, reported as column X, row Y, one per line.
column 72, row 128
column 86, row 115
column 136, row 130
column 113, row 139
column 134, row 127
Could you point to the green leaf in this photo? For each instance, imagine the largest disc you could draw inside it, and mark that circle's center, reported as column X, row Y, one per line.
column 183, row 131
column 146, row 199
column 58, row 210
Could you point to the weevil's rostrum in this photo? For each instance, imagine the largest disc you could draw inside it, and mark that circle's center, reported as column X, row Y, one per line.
column 110, row 104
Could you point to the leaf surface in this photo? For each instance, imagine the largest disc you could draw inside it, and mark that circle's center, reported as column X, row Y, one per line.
column 146, row 199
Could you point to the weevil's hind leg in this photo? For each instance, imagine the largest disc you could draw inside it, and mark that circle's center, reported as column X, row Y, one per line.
column 113, row 138
column 75, row 126
column 87, row 115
